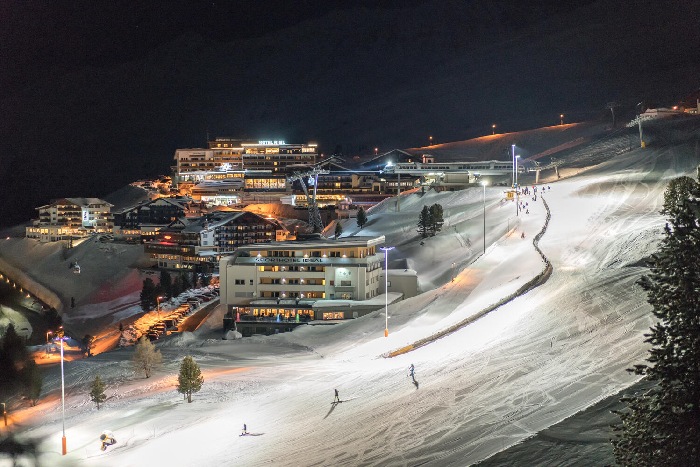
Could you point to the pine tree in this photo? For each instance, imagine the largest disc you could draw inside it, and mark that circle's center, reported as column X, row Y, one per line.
column 149, row 292
column 662, row 427
column 424, row 222
column 146, row 356
column 190, row 379
column 177, row 286
column 338, row 230
column 361, row 218
column 97, row 391
column 32, row 381
column 436, row 219
column 166, row 284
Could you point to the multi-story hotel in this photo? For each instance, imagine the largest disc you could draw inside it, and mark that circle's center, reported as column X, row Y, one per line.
column 315, row 277
column 66, row 218
column 197, row 244
column 263, row 165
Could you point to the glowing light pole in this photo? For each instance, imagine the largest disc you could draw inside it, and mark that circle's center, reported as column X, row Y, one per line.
column 493, row 129
column 158, row 299
column 453, row 272
column 484, row 183
column 513, row 175
column 60, row 334
column 561, row 119
column 386, row 288
column 4, row 412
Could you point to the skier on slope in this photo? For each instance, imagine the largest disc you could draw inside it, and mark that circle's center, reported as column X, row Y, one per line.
column 411, row 371
column 337, row 397
column 245, row 430
column 107, row 439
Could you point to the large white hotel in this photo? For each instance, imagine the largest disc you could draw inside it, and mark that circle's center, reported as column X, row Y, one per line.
column 317, row 278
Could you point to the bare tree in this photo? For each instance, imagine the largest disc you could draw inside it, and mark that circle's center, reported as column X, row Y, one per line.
column 146, row 357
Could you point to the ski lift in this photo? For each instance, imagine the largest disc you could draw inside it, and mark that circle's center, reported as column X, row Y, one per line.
column 76, row 268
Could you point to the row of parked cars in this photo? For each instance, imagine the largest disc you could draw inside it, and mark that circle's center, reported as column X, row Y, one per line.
column 186, row 302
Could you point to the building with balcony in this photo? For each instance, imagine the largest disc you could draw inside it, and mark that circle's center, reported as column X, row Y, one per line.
column 145, row 219
column 313, row 277
column 68, row 218
column 198, row 244
column 261, row 165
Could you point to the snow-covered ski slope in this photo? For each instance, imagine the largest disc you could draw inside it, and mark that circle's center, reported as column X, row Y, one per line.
column 521, row 368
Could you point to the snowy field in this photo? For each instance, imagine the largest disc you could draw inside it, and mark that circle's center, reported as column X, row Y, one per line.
column 520, row 369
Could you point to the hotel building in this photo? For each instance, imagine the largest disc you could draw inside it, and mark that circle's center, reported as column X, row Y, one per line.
column 66, row 218
column 315, row 277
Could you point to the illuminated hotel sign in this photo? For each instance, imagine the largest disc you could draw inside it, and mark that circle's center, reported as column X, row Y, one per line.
column 271, row 142
column 287, row 259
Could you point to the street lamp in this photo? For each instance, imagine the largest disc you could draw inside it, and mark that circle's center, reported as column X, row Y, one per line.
column 386, row 288
column 4, row 412
column 48, row 333
column 484, row 183
column 561, row 119
column 453, row 271
column 493, row 129
column 60, row 335
column 158, row 299
column 430, row 139
column 517, row 156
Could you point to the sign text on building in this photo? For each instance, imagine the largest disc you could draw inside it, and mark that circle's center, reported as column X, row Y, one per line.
column 269, row 142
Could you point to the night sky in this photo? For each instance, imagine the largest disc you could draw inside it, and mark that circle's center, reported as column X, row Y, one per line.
column 94, row 95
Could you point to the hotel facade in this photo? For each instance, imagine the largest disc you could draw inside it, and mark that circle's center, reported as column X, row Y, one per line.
column 315, row 277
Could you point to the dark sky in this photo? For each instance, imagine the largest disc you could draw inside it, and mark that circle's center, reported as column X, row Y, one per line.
column 94, row 95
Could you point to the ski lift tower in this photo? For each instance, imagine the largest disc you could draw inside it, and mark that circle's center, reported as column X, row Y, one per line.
column 312, row 176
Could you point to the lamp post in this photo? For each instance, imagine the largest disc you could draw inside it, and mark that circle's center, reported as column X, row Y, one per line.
column 158, row 299
column 453, row 271
column 513, row 175
column 493, row 129
column 561, row 119
column 60, row 335
column 386, row 288
column 517, row 156
column 4, row 412
column 484, row 185
column 430, row 140
column 48, row 333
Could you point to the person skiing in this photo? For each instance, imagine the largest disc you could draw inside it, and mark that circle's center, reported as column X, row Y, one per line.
column 411, row 371
column 337, row 397
column 245, row 430
column 522, row 235
column 107, row 439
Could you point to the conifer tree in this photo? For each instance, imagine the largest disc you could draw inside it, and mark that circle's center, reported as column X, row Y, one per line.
column 436, row 219
column 149, row 292
column 166, row 284
column 32, row 381
column 662, row 427
column 338, row 230
column 424, row 222
column 146, row 356
column 361, row 218
column 97, row 391
column 190, row 379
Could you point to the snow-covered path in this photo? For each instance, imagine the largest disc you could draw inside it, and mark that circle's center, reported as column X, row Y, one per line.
column 519, row 369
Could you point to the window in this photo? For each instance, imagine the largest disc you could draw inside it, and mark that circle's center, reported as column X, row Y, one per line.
column 251, row 282
column 239, row 282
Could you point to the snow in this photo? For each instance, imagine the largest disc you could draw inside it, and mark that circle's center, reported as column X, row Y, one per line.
column 517, row 370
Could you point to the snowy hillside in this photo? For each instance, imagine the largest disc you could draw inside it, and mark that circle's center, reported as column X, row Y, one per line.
column 517, row 370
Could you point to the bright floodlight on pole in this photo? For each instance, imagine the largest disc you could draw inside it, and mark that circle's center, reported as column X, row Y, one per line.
column 386, row 250
column 158, row 299
column 513, row 151
column 484, row 183
column 60, row 335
